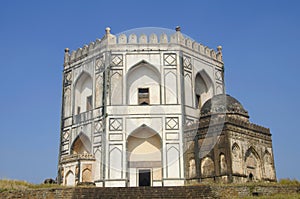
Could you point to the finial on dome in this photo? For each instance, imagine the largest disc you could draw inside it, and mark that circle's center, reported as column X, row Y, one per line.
column 107, row 30
column 219, row 48
column 177, row 28
column 67, row 50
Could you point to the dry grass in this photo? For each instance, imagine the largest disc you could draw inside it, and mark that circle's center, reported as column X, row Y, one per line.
column 276, row 196
column 6, row 185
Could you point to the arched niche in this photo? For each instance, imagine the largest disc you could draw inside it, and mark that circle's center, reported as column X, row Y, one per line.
column 252, row 164
column 144, row 147
column 144, row 144
column 236, row 159
column 143, row 84
column 203, row 88
column 70, row 179
column 86, row 175
column 207, row 167
column 83, row 93
column 223, row 164
column 192, row 168
column 268, row 166
column 81, row 145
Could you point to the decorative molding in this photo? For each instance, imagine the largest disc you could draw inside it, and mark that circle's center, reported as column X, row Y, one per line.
column 218, row 75
column 68, row 78
column 116, row 60
column 115, row 124
column 187, row 62
column 122, row 39
column 100, row 64
column 172, row 123
column 170, row 59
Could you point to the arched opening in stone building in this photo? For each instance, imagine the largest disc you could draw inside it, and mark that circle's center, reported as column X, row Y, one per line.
column 192, row 168
column 87, row 175
column 144, row 157
column 81, row 145
column 268, row 166
column 70, row 179
column 143, row 84
column 83, row 94
column 252, row 164
column 236, row 159
column 203, row 89
column 207, row 167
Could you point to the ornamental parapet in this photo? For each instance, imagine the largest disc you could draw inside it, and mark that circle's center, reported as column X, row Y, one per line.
column 144, row 39
column 76, row 157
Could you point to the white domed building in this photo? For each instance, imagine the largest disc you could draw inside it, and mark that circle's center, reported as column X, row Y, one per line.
column 131, row 109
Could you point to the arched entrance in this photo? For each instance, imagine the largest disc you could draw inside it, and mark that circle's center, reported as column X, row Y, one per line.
column 144, row 157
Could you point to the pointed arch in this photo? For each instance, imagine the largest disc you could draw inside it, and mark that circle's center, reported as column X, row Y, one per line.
column 87, row 175
column 236, row 159
column 192, row 168
column 250, row 151
column 171, row 96
column 207, row 167
column 253, row 164
column 144, row 149
column 83, row 93
column 223, row 163
column 204, row 89
column 143, row 75
column 268, row 165
column 70, row 178
column 173, row 161
column 115, row 163
column 142, row 142
column 81, row 144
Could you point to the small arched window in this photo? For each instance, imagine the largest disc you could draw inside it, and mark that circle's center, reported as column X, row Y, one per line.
column 83, row 94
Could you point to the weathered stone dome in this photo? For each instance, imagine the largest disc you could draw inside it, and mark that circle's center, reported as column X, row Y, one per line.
column 223, row 103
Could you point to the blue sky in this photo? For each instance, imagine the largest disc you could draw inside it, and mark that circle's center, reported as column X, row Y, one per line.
column 260, row 40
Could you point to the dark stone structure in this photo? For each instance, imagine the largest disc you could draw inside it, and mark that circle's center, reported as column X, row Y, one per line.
column 225, row 147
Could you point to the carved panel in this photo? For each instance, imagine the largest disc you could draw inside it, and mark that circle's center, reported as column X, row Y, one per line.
column 68, row 78
column 99, row 90
column 117, row 60
column 115, row 124
column 187, row 62
column 100, row 64
column 172, row 123
column 66, row 136
column 116, row 88
column 218, row 75
column 98, row 126
column 170, row 59
column 219, row 89
column 67, row 101
column 115, row 161
column 173, row 166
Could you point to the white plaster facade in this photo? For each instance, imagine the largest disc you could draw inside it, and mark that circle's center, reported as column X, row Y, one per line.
column 107, row 136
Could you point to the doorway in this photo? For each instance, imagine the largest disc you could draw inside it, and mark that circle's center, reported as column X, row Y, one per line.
column 144, row 177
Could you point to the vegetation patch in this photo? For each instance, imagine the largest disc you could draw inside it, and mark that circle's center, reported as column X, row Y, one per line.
column 9, row 185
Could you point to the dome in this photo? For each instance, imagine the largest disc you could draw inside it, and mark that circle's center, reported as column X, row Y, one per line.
column 223, row 103
column 151, row 30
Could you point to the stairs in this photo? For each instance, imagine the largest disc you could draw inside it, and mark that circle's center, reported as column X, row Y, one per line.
column 144, row 192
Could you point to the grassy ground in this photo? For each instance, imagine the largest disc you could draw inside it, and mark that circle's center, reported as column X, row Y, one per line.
column 7, row 185
column 277, row 196
column 10, row 185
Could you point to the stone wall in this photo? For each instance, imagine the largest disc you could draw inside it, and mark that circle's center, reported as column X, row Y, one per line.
column 199, row 191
